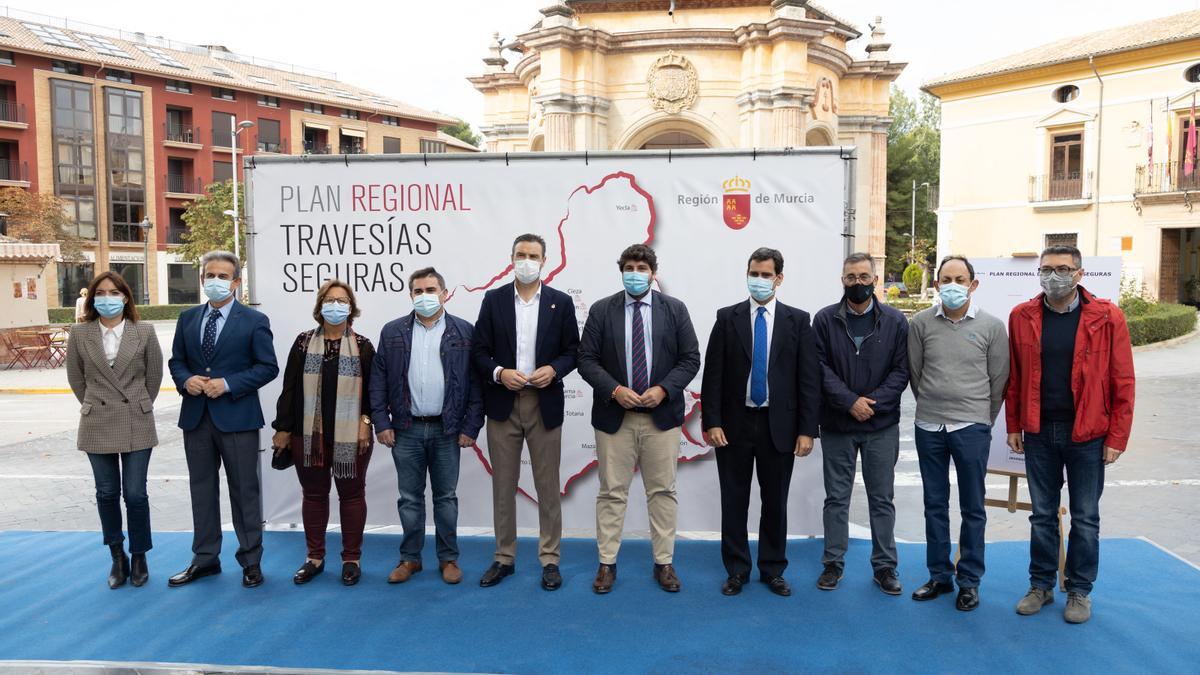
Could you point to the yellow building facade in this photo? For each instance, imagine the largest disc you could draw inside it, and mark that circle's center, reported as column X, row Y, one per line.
column 1079, row 142
column 599, row 75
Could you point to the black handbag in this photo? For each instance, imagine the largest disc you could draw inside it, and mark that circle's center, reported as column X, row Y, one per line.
column 281, row 459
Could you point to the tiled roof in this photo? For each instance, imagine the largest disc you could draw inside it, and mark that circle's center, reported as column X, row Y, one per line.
column 1176, row 28
column 16, row 249
column 456, row 142
column 210, row 66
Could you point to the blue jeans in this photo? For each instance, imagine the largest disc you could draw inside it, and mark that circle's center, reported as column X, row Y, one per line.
column 1046, row 455
column 125, row 473
column 425, row 447
column 969, row 449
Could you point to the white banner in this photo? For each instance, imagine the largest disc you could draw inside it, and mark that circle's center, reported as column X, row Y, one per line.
column 1005, row 283
column 372, row 221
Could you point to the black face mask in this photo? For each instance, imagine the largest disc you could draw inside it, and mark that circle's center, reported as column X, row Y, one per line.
column 859, row 293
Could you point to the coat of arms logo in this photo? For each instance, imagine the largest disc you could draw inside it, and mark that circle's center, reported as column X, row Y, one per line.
column 672, row 84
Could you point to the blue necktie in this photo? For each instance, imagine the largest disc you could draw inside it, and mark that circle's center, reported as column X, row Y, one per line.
column 758, row 367
column 209, row 345
column 641, row 380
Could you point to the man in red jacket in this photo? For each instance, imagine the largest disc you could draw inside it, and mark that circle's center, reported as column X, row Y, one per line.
column 1069, row 406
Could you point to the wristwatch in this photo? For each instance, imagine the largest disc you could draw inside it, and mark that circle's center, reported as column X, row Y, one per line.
column 365, row 419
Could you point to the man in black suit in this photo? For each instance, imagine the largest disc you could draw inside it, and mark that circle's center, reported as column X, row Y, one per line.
column 760, row 401
column 526, row 342
column 639, row 352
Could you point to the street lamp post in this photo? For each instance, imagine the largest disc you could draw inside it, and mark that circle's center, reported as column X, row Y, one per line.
column 146, row 225
column 912, row 237
column 236, row 128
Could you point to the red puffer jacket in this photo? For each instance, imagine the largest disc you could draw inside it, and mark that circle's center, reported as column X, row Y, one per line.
column 1102, row 379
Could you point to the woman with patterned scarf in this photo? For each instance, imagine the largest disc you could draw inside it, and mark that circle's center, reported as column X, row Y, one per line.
column 322, row 424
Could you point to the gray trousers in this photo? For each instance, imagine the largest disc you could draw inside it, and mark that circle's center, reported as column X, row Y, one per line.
column 880, row 450
column 206, row 448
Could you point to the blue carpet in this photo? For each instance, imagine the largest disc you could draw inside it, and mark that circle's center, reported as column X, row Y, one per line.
column 54, row 604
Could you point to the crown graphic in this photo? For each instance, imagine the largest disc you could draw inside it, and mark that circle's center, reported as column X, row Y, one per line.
column 736, row 184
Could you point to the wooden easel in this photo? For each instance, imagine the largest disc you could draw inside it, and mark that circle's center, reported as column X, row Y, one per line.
column 1012, row 504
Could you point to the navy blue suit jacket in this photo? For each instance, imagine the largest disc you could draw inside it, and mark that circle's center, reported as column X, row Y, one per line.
column 675, row 362
column 244, row 357
column 495, row 346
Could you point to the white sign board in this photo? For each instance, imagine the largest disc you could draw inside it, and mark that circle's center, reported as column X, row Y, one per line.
column 1005, row 283
column 371, row 221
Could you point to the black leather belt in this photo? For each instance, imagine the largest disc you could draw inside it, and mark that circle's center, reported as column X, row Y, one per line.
column 759, row 409
column 433, row 419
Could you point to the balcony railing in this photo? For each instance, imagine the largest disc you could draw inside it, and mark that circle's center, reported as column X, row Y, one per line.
column 276, row 146
column 1166, row 177
column 183, row 184
column 311, row 148
column 1060, row 187
column 12, row 169
column 11, row 111
column 175, row 234
column 181, row 133
column 351, row 150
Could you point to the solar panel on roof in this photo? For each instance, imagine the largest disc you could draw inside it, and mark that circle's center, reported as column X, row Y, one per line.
column 52, row 36
column 262, row 80
column 221, row 73
column 102, row 45
column 162, row 57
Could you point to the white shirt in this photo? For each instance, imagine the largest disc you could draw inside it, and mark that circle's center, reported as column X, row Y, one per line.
column 111, row 339
column 769, row 315
column 527, row 322
column 953, row 426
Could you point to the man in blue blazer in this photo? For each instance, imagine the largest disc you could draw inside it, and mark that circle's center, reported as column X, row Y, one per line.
column 526, row 342
column 639, row 352
column 222, row 355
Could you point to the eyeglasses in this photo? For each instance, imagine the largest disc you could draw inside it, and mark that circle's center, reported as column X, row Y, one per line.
column 337, row 301
column 1061, row 269
column 861, row 278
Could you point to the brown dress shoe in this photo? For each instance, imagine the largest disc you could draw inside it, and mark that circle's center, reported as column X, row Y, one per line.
column 605, row 577
column 451, row 574
column 404, row 571
column 666, row 577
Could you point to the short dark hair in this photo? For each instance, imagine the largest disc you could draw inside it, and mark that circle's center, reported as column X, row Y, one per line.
column 764, row 254
column 638, row 253
column 324, row 291
column 426, row 272
column 963, row 258
column 89, row 305
column 529, row 237
column 857, row 258
column 1076, row 256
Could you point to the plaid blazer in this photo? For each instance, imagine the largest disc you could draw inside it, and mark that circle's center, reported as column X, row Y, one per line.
column 117, row 413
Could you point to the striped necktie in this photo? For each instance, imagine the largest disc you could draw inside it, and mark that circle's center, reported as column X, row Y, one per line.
column 641, row 378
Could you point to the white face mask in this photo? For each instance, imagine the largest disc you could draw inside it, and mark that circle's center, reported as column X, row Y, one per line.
column 528, row 271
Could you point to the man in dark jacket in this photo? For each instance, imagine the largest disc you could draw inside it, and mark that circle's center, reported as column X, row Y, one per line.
column 761, row 396
column 426, row 405
column 863, row 348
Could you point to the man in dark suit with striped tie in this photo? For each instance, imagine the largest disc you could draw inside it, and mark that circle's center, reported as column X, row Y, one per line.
column 222, row 355
column 639, row 352
column 760, row 403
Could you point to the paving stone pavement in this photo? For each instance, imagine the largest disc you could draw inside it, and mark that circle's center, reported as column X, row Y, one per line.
column 1153, row 491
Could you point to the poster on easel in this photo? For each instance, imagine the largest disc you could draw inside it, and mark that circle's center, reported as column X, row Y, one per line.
column 1005, row 283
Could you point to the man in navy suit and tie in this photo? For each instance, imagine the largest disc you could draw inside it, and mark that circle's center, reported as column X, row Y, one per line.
column 760, row 403
column 222, row 355
column 639, row 352
column 526, row 342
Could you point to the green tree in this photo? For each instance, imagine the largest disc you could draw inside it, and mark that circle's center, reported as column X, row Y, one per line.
column 462, row 131
column 914, row 153
column 42, row 218
column 209, row 229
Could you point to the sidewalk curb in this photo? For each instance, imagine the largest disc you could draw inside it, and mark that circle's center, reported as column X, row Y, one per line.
column 48, row 390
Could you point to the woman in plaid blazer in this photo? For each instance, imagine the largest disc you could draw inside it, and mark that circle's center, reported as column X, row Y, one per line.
column 115, row 368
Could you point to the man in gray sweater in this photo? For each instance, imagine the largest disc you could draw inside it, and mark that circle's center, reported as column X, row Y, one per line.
column 958, row 359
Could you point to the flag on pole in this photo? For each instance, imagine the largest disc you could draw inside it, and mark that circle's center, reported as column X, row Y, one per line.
column 1150, row 145
column 1169, row 165
column 1189, row 150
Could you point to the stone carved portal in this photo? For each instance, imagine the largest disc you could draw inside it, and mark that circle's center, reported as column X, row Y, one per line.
column 672, row 84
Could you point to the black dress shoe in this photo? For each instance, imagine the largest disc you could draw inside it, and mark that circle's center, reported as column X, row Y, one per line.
column 120, row 566
column 733, row 585
column 193, row 573
column 829, row 578
column 888, row 581
column 252, row 576
column 932, row 589
column 551, row 577
column 968, row 599
column 307, row 572
column 495, row 574
column 139, row 574
column 351, row 572
column 778, row 585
